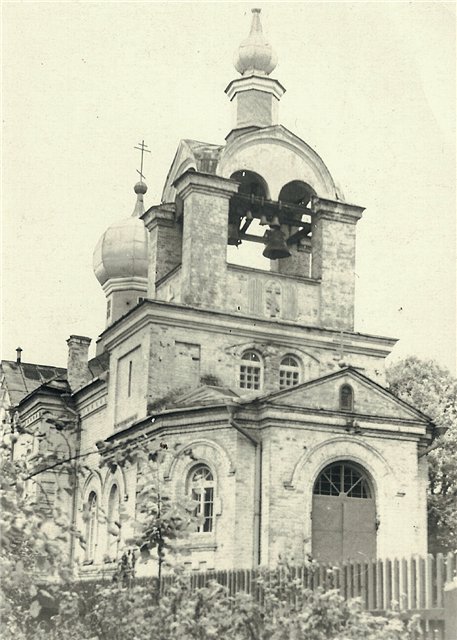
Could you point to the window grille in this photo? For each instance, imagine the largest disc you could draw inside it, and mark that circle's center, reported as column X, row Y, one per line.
column 250, row 371
column 342, row 479
column 289, row 372
column 202, row 486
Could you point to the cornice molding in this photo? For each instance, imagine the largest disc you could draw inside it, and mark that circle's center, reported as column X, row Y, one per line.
column 209, row 184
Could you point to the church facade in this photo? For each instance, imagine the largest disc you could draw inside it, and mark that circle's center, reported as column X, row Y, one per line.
column 267, row 398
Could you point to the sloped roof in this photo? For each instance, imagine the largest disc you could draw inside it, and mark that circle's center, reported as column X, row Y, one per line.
column 22, row 378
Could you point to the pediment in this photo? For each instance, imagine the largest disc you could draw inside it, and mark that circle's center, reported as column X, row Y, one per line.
column 205, row 395
column 370, row 399
column 190, row 155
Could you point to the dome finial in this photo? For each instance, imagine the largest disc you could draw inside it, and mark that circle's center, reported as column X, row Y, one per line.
column 140, row 189
column 255, row 54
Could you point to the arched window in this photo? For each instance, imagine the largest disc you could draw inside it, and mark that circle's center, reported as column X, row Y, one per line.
column 346, row 398
column 342, row 479
column 201, row 488
column 250, row 371
column 92, row 526
column 112, row 522
column 289, row 372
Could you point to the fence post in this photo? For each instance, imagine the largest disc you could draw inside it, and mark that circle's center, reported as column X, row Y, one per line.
column 450, row 610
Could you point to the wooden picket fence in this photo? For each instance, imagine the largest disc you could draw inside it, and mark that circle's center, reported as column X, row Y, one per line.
column 414, row 586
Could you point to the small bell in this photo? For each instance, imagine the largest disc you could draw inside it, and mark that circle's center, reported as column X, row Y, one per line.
column 276, row 245
column 275, row 222
column 263, row 220
column 249, row 215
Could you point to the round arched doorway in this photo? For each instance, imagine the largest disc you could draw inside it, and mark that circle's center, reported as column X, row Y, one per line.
column 344, row 514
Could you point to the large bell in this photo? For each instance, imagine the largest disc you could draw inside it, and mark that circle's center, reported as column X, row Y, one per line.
column 276, row 245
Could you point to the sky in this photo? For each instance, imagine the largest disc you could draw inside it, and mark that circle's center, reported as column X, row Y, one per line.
column 370, row 86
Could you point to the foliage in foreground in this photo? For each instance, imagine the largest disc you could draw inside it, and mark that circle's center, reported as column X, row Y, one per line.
column 288, row 612
column 433, row 390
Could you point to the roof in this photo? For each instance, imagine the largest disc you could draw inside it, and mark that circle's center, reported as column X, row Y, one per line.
column 22, row 378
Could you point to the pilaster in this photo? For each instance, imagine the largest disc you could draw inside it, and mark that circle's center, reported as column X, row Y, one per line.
column 333, row 260
column 204, row 246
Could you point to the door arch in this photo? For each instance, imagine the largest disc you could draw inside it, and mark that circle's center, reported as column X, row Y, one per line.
column 343, row 514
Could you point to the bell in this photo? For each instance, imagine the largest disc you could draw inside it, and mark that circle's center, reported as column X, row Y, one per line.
column 276, row 245
column 275, row 222
column 263, row 220
column 233, row 234
column 249, row 215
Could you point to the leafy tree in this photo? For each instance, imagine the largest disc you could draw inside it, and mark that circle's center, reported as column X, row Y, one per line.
column 433, row 390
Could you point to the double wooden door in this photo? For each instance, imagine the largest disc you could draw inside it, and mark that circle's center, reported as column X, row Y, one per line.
column 343, row 516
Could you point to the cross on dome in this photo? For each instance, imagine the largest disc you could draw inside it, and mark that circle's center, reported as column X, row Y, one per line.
column 255, row 55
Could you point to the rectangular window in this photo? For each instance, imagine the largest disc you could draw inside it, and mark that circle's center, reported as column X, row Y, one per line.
column 288, row 378
column 205, row 500
column 249, row 377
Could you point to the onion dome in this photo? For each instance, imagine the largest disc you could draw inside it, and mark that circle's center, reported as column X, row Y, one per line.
column 255, row 55
column 122, row 251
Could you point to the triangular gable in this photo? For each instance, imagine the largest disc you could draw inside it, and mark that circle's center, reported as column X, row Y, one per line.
column 205, row 395
column 323, row 393
column 191, row 154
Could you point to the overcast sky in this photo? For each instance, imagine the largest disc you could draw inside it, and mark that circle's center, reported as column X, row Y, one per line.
column 370, row 86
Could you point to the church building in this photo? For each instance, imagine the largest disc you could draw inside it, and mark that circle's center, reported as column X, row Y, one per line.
column 265, row 396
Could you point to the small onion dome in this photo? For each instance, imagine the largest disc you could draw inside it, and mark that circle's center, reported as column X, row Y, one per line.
column 255, row 54
column 122, row 251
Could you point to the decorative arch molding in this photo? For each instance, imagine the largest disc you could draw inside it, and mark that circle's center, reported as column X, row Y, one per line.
column 118, row 478
column 93, row 482
column 312, row 166
column 203, row 450
column 314, row 460
column 263, row 349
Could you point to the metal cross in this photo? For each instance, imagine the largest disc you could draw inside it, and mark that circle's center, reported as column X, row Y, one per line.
column 142, row 148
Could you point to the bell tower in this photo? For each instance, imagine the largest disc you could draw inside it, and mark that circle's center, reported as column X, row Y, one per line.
column 265, row 189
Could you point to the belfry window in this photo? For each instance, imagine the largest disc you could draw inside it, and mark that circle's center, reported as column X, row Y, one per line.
column 201, row 489
column 289, row 372
column 346, row 398
column 342, row 479
column 250, row 371
column 91, row 526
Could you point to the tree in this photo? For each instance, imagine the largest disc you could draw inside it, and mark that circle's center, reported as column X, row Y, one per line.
column 433, row 390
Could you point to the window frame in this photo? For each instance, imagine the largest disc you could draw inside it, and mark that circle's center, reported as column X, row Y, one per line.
column 203, row 492
column 250, row 376
column 349, row 476
column 292, row 369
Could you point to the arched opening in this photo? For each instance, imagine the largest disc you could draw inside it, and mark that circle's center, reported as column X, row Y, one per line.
column 91, row 526
column 113, row 524
column 201, row 487
column 346, row 398
column 297, row 192
column 289, row 372
column 344, row 514
column 251, row 183
column 247, row 253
